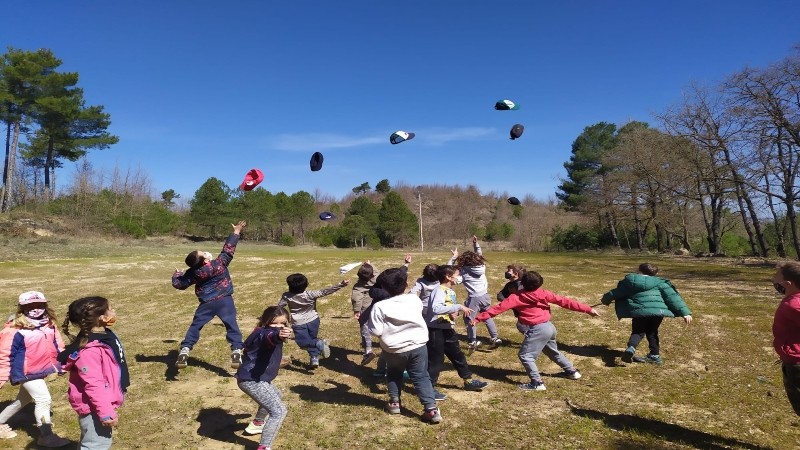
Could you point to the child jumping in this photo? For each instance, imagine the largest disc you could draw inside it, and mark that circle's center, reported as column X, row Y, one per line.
column 302, row 305
column 439, row 312
column 29, row 345
column 399, row 324
column 261, row 360
column 98, row 372
column 646, row 299
column 214, row 290
column 472, row 266
column 533, row 306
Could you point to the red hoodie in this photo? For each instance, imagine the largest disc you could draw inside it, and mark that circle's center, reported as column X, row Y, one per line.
column 786, row 329
column 533, row 306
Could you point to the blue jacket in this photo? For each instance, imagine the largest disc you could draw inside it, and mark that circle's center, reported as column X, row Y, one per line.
column 262, row 354
column 212, row 280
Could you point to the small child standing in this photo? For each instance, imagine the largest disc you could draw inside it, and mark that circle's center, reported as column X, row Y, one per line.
column 263, row 351
column 302, row 305
column 29, row 345
column 472, row 266
column 98, row 373
column 439, row 312
column 399, row 324
column 533, row 306
column 646, row 299
column 214, row 290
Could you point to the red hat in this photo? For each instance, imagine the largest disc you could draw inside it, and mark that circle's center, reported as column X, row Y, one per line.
column 252, row 179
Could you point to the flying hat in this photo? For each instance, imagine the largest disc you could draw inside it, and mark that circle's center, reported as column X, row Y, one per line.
column 516, row 131
column 505, row 105
column 252, row 179
column 400, row 136
column 29, row 297
column 316, row 161
column 513, row 200
column 325, row 215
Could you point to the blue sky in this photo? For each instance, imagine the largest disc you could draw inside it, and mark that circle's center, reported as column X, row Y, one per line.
column 198, row 89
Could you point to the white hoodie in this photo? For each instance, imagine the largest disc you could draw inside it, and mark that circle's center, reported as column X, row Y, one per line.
column 398, row 322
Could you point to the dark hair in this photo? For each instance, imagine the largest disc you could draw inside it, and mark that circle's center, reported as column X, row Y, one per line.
column 394, row 281
column 85, row 313
column 194, row 259
column 470, row 259
column 648, row 269
column 365, row 272
column 445, row 271
column 516, row 268
column 297, row 283
column 270, row 314
column 790, row 270
column 430, row 273
column 531, row 280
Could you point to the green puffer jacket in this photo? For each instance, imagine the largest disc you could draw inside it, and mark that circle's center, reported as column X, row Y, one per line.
column 640, row 295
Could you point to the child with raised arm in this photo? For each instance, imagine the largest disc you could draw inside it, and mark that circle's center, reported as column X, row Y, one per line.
column 472, row 267
column 29, row 345
column 533, row 321
column 302, row 305
column 399, row 324
column 98, row 373
column 261, row 360
column 439, row 312
column 646, row 299
column 214, row 290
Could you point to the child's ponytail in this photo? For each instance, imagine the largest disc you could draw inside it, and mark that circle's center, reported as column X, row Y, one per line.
column 85, row 313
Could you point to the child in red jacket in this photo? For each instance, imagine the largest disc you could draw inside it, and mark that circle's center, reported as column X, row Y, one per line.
column 533, row 321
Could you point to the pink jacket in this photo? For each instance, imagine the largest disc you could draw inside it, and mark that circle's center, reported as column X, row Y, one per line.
column 94, row 381
column 29, row 353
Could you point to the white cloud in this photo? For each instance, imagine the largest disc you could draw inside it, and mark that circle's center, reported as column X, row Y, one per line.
column 439, row 135
column 325, row 141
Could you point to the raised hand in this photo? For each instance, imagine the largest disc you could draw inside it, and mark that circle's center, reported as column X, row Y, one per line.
column 238, row 227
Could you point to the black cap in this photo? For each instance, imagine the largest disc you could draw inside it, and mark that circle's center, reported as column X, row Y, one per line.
column 326, row 215
column 513, row 200
column 316, row 161
column 516, row 131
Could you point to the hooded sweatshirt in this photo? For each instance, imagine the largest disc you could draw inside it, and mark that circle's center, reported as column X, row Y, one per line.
column 473, row 277
column 399, row 324
column 639, row 295
column 441, row 303
column 786, row 329
column 110, row 339
column 94, row 381
column 29, row 352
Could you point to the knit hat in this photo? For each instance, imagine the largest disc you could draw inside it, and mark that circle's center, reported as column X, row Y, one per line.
column 29, row 297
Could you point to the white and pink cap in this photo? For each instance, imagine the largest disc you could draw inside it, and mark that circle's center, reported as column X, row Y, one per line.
column 31, row 297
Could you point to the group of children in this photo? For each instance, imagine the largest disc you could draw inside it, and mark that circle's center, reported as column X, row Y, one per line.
column 415, row 328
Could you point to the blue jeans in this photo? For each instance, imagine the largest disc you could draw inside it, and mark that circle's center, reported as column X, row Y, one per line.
column 416, row 363
column 540, row 338
column 226, row 311
column 306, row 337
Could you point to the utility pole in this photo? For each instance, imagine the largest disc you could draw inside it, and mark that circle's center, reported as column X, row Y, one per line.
column 421, row 240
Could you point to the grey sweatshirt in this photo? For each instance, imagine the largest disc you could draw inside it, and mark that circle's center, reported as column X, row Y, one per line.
column 303, row 306
column 474, row 277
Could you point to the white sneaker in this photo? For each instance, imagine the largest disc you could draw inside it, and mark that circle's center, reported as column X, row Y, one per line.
column 472, row 346
column 254, row 428
column 6, row 432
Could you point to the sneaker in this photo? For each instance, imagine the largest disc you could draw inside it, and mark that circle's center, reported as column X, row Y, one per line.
column 380, row 373
column 532, row 386
column 572, row 374
column 368, row 357
column 638, row 359
column 325, row 348
column 236, row 358
column 406, row 376
column 255, row 427
column 432, row 416
column 52, row 440
column 6, row 432
column 183, row 358
column 496, row 342
column 654, row 359
column 474, row 385
column 472, row 346
column 439, row 396
column 314, row 362
column 393, row 406
column 627, row 356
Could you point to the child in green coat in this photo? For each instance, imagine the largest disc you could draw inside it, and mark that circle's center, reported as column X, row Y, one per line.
column 646, row 299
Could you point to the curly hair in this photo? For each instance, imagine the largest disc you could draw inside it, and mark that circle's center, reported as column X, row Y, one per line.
column 85, row 313
column 470, row 259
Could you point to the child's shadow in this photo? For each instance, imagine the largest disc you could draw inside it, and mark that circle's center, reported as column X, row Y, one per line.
column 220, row 425
column 23, row 423
column 610, row 357
column 339, row 394
column 492, row 373
column 171, row 372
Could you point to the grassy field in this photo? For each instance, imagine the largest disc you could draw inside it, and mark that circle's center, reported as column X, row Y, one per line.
column 720, row 386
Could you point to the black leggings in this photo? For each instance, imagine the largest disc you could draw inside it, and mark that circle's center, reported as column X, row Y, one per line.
column 642, row 327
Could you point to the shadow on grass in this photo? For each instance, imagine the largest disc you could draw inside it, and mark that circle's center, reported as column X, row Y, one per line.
column 171, row 372
column 23, row 423
column 339, row 394
column 220, row 425
column 661, row 430
column 339, row 362
column 609, row 356
column 496, row 373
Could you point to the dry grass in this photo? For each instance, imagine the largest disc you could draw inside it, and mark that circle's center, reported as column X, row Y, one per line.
column 720, row 386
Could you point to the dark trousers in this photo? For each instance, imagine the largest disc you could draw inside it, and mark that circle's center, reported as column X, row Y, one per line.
column 226, row 311
column 791, row 382
column 305, row 336
column 416, row 363
column 444, row 342
column 642, row 327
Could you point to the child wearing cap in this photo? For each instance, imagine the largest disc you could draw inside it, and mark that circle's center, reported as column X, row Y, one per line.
column 214, row 289
column 29, row 345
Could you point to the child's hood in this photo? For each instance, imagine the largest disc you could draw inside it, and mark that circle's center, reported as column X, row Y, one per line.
column 426, row 286
column 639, row 283
column 71, row 354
